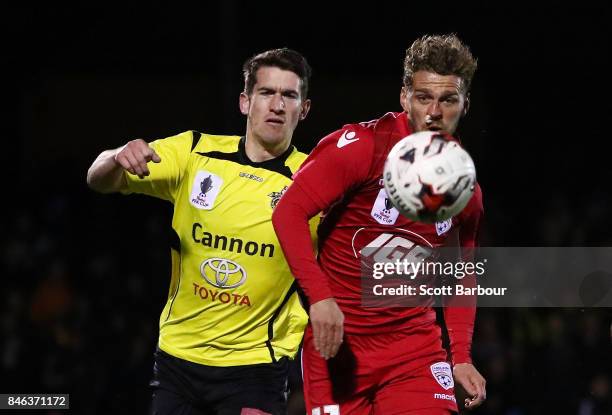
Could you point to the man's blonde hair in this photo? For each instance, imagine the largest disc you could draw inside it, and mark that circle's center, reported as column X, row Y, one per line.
column 442, row 54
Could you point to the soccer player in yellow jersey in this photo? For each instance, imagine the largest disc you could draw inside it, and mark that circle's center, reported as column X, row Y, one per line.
column 233, row 316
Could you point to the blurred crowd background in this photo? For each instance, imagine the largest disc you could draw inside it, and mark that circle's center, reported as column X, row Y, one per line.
column 85, row 276
column 83, row 289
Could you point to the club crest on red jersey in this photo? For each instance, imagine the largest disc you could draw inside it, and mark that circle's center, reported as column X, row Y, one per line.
column 444, row 226
column 443, row 374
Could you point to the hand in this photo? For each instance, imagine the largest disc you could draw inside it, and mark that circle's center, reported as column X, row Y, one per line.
column 473, row 384
column 134, row 157
column 327, row 327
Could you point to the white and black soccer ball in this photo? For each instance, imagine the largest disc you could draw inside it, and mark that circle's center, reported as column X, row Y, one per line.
column 429, row 177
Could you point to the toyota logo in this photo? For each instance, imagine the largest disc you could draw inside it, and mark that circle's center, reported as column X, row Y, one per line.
column 223, row 273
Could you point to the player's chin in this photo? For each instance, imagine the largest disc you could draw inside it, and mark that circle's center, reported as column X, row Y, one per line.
column 273, row 137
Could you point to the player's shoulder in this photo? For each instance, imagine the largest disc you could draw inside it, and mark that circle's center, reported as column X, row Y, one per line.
column 365, row 132
column 206, row 143
column 195, row 141
column 392, row 124
column 477, row 196
column 295, row 159
column 350, row 139
column 475, row 207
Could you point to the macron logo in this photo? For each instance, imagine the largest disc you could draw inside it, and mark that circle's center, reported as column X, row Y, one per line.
column 347, row 138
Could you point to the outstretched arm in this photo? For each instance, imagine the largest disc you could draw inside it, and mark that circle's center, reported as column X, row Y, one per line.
column 106, row 174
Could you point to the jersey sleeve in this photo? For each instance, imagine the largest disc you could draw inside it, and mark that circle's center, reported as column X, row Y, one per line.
column 336, row 165
column 460, row 312
column 165, row 176
column 469, row 220
column 332, row 169
column 290, row 220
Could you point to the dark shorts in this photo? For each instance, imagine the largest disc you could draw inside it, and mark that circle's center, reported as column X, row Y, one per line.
column 181, row 387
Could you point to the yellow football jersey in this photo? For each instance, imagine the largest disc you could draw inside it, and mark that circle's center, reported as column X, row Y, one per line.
column 232, row 299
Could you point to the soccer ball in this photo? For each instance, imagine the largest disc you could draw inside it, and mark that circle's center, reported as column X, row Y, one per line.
column 429, row 177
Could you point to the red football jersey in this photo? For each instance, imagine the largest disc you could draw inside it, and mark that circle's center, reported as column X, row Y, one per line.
column 342, row 178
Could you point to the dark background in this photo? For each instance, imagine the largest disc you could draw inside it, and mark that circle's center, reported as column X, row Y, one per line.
column 85, row 275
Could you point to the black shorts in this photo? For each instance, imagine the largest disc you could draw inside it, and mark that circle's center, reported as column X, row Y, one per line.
column 181, row 387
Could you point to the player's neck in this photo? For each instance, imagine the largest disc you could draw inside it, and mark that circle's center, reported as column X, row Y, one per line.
column 257, row 151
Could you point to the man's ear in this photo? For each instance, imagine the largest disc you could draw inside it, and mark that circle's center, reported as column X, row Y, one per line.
column 404, row 98
column 244, row 103
column 305, row 109
column 466, row 105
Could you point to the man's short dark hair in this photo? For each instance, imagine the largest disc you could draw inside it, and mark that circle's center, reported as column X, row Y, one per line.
column 284, row 58
column 442, row 54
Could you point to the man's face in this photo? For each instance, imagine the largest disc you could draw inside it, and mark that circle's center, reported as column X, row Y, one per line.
column 434, row 102
column 274, row 107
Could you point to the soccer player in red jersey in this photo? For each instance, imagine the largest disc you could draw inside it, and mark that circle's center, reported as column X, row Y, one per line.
column 361, row 360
